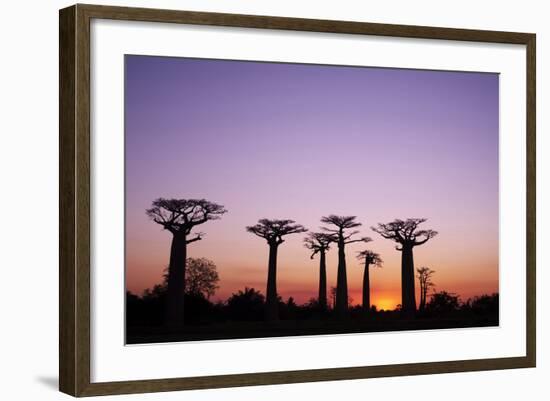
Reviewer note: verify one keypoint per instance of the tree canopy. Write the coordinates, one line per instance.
(273, 230)
(405, 232)
(424, 275)
(179, 216)
(319, 242)
(443, 302)
(342, 223)
(370, 257)
(201, 277)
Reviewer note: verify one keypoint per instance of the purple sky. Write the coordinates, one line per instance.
(302, 141)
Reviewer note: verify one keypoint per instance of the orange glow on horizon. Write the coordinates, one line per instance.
(385, 303)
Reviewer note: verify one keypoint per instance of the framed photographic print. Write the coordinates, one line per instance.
(307, 198)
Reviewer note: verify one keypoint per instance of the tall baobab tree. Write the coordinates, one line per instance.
(424, 275)
(343, 238)
(273, 232)
(369, 258)
(407, 235)
(319, 243)
(179, 217)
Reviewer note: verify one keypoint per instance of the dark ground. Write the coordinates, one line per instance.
(258, 329)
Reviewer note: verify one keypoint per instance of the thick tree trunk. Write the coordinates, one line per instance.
(271, 306)
(408, 300)
(366, 288)
(322, 281)
(174, 316)
(341, 282)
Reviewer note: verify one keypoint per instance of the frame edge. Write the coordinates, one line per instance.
(74, 202)
(301, 24)
(531, 201)
(67, 131)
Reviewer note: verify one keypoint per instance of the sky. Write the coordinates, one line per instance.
(274, 140)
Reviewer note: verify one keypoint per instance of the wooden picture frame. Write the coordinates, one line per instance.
(74, 205)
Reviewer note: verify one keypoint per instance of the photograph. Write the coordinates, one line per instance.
(270, 199)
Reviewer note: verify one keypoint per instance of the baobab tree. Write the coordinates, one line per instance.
(180, 217)
(407, 235)
(424, 275)
(343, 238)
(273, 232)
(319, 243)
(369, 258)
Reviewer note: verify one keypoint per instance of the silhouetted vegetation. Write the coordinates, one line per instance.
(320, 243)
(483, 305)
(442, 303)
(242, 315)
(369, 258)
(407, 235)
(246, 305)
(201, 277)
(180, 217)
(273, 232)
(180, 307)
(343, 238)
(424, 275)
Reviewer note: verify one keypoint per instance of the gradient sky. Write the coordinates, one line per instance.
(303, 141)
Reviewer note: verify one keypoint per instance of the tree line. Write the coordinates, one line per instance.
(181, 216)
(248, 305)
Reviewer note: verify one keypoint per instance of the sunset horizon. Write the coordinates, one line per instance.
(385, 295)
(303, 141)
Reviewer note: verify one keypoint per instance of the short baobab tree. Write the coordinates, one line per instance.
(369, 258)
(180, 217)
(319, 243)
(273, 232)
(407, 234)
(424, 275)
(339, 226)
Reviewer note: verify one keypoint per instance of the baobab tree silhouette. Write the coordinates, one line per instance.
(320, 243)
(273, 232)
(369, 258)
(424, 275)
(343, 238)
(179, 217)
(407, 235)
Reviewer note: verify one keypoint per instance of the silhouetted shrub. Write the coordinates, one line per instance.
(245, 305)
(442, 303)
(482, 305)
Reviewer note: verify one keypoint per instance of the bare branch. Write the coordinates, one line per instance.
(342, 222)
(428, 234)
(197, 237)
(363, 239)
